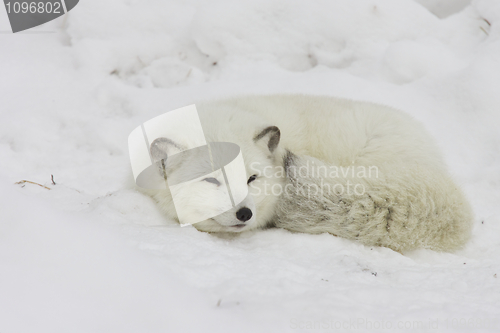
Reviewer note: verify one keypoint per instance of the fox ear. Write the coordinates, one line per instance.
(161, 149)
(270, 135)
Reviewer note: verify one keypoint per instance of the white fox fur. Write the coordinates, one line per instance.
(410, 203)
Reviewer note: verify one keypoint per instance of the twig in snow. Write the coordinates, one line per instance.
(27, 181)
(487, 34)
(52, 178)
(485, 20)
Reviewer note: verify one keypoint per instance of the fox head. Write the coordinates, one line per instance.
(199, 184)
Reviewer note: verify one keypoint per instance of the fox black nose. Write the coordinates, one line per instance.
(244, 214)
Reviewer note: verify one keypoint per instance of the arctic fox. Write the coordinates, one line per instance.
(314, 164)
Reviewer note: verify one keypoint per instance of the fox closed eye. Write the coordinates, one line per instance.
(251, 179)
(212, 180)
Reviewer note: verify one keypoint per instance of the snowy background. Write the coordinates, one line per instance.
(91, 255)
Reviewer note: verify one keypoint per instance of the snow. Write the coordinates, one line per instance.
(93, 255)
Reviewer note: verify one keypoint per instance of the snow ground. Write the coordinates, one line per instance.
(91, 255)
